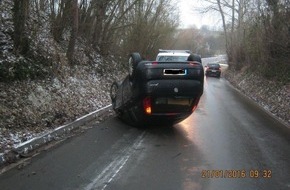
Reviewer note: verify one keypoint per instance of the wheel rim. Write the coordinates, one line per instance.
(114, 92)
(130, 66)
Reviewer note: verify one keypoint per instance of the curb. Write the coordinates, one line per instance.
(36, 142)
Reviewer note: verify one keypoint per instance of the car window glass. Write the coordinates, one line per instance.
(172, 58)
(213, 65)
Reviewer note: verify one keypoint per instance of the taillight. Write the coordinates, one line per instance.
(194, 108)
(195, 104)
(147, 105)
(194, 63)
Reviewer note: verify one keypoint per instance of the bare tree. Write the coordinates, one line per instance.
(74, 30)
(259, 34)
(153, 26)
(20, 17)
(60, 17)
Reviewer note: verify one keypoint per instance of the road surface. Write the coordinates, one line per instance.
(228, 143)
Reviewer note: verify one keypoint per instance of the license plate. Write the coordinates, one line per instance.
(213, 71)
(174, 72)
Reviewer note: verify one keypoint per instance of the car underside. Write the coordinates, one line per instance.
(158, 92)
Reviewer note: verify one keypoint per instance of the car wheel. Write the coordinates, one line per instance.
(133, 61)
(113, 94)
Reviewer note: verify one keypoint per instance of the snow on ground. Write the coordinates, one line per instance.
(273, 96)
(31, 108)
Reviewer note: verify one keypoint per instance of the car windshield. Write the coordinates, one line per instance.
(213, 65)
(172, 58)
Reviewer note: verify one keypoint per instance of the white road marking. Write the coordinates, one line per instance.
(103, 179)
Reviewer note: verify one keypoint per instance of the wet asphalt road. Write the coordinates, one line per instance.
(228, 143)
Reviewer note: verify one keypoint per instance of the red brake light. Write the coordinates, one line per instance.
(147, 105)
(194, 108)
(194, 63)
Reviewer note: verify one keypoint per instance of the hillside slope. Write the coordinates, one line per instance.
(41, 90)
(273, 96)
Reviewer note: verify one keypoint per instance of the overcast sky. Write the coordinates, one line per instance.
(189, 16)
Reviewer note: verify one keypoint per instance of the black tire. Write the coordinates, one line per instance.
(113, 93)
(133, 61)
(194, 57)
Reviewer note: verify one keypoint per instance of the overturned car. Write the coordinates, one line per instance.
(153, 92)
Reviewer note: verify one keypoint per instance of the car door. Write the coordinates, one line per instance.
(126, 91)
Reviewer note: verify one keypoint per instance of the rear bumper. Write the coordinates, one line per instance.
(158, 115)
(167, 119)
(139, 118)
(210, 73)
